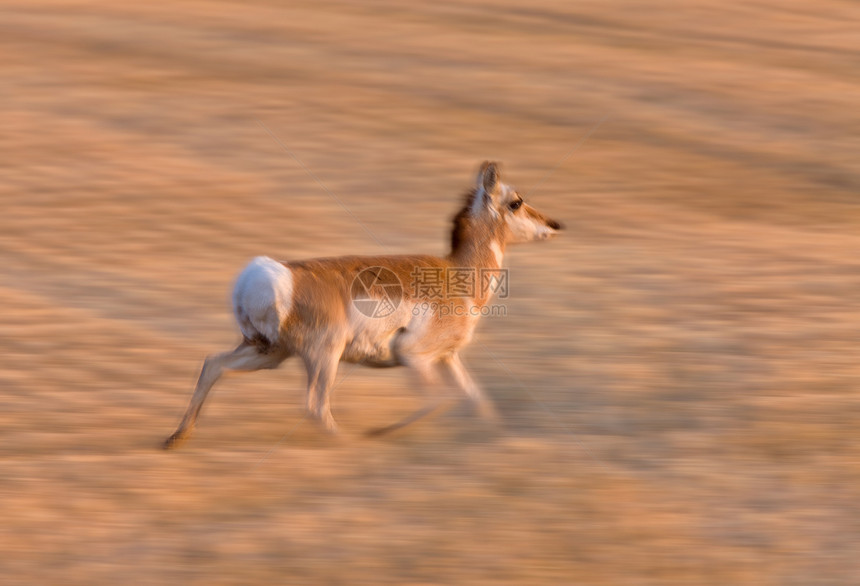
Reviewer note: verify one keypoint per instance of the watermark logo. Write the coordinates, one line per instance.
(376, 292)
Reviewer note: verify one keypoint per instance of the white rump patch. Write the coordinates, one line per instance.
(262, 298)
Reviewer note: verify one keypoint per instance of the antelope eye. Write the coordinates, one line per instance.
(516, 204)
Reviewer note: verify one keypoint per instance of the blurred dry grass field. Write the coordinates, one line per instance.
(678, 373)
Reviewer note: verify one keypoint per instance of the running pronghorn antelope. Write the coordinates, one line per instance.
(356, 309)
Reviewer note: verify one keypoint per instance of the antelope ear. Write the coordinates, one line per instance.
(488, 177)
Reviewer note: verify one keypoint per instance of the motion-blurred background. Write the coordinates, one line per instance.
(677, 373)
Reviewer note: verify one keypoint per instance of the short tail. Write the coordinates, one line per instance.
(262, 299)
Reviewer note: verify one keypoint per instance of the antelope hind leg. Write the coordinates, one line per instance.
(245, 358)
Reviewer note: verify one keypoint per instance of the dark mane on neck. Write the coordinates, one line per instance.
(461, 221)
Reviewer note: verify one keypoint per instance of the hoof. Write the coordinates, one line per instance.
(326, 424)
(381, 431)
(173, 442)
(488, 413)
(328, 428)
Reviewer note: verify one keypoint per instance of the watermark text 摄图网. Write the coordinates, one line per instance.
(440, 283)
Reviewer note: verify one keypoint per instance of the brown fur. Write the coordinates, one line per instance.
(461, 223)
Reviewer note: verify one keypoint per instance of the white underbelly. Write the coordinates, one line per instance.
(372, 338)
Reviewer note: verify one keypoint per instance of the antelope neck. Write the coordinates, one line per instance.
(483, 252)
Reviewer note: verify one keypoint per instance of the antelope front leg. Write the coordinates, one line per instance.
(427, 382)
(244, 358)
(458, 374)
